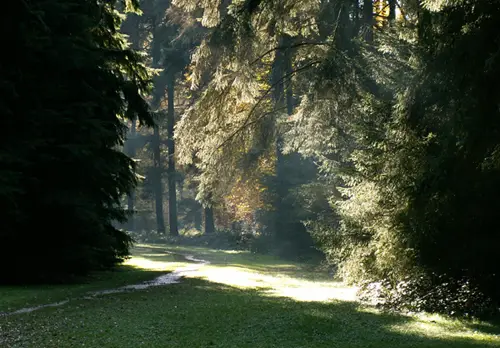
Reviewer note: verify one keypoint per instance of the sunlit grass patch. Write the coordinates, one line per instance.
(236, 301)
(276, 284)
(146, 264)
(279, 278)
(155, 259)
(437, 326)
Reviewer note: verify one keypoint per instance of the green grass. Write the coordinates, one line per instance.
(243, 259)
(16, 297)
(240, 300)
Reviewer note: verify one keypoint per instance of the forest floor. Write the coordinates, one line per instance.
(238, 300)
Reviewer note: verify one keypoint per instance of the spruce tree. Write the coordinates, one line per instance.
(68, 83)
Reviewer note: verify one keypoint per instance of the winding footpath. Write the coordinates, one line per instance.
(165, 279)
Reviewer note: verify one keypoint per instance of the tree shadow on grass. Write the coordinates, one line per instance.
(199, 313)
(22, 296)
(332, 324)
(490, 327)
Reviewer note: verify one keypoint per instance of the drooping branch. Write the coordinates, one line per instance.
(37, 16)
(246, 123)
(299, 44)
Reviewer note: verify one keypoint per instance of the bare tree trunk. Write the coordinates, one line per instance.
(198, 219)
(131, 151)
(288, 71)
(172, 193)
(158, 92)
(209, 220)
(131, 27)
(392, 10)
(368, 20)
(357, 21)
(158, 184)
(283, 97)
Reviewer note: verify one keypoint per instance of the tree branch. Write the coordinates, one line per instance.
(246, 123)
(288, 47)
(40, 19)
(401, 9)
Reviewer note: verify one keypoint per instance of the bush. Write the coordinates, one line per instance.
(454, 297)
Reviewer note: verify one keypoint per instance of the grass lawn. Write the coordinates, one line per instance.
(239, 300)
(16, 297)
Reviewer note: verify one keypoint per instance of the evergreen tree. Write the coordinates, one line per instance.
(67, 85)
(403, 134)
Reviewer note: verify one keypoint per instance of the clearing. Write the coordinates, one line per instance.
(238, 299)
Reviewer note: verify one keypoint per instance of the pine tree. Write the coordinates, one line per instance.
(391, 104)
(68, 85)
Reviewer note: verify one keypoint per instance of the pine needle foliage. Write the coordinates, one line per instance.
(400, 117)
(68, 81)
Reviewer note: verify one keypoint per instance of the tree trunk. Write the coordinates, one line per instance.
(131, 211)
(198, 217)
(283, 97)
(357, 22)
(289, 89)
(131, 196)
(392, 10)
(209, 220)
(158, 92)
(131, 27)
(158, 184)
(368, 20)
(172, 193)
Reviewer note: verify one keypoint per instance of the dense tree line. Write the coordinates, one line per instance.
(367, 130)
(396, 103)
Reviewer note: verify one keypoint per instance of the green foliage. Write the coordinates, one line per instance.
(402, 122)
(408, 137)
(451, 216)
(66, 86)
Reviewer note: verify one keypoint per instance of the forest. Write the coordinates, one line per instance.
(347, 146)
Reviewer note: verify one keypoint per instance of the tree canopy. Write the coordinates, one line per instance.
(396, 103)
